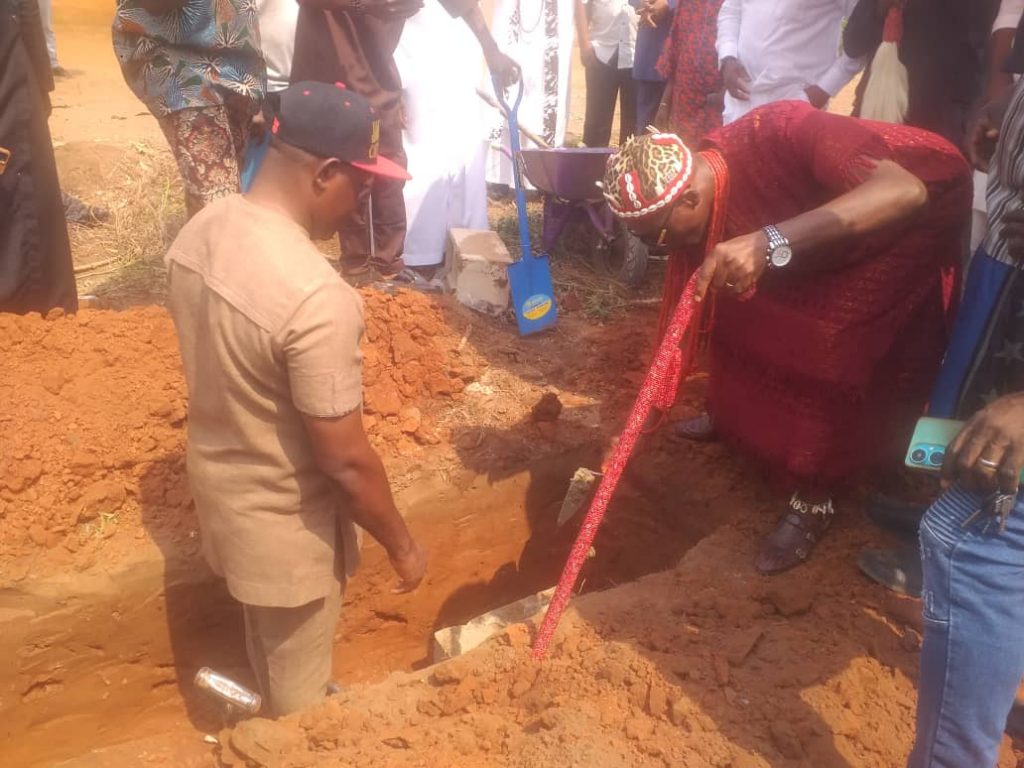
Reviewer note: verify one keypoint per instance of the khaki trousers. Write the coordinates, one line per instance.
(290, 652)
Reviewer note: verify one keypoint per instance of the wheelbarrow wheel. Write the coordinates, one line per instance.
(623, 257)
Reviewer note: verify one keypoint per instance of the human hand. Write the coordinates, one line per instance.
(257, 126)
(715, 100)
(403, 111)
(656, 12)
(988, 454)
(410, 564)
(734, 265)
(587, 55)
(661, 118)
(983, 133)
(736, 79)
(503, 68)
(817, 96)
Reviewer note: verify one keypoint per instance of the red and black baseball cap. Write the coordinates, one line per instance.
(330, 121)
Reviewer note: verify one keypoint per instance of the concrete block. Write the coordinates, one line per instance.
(476, 270)
(455, 641)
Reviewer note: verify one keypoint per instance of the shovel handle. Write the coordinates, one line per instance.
(531, 135)
(512, 115)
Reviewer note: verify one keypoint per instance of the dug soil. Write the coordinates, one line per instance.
(107, 610)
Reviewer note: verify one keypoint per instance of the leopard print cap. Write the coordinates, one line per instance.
(647, 174)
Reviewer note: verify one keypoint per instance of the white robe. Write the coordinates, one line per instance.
(446, 142)
(538, 34)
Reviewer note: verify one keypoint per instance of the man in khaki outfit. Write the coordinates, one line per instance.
(279, 465)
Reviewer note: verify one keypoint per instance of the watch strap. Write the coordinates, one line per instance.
(775, 238)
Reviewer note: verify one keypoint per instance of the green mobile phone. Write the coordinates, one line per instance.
(928, 445)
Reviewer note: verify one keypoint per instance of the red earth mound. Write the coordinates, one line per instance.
(96, 401)
(706, 665)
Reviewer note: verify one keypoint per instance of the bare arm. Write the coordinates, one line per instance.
(888, 195)
(502, 68)
(345, 455)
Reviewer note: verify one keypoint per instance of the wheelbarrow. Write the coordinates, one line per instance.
(568, 179)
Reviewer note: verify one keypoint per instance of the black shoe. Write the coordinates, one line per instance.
(898, 517)
(77, 212)
(895, 569)
(411, 279)
(358, 278)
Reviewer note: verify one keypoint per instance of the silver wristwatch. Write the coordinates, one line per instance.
(779, 252)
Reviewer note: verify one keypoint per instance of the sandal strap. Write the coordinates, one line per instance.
(801, 507)
(800, 523)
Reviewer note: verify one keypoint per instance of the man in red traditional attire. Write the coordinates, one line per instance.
(832, 245)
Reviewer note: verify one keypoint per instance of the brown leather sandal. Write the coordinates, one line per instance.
(795, 537)
(699, 429)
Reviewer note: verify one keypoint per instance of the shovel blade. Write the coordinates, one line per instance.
(533, 295)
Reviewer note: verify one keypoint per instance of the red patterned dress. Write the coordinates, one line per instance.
(689, 64)
(824, 371)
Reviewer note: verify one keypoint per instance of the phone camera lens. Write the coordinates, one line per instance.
(937, 458)
(918, 456)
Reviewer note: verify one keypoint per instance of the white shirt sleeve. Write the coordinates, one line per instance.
(729, 29)
(1010, 12)
(840, 73)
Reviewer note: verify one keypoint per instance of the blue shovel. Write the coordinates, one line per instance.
(533, 296)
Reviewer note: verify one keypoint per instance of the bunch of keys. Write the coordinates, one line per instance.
(996, 507)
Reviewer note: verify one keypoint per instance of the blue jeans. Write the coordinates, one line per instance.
(973, 656)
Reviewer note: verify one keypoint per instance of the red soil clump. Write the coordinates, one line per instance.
(97, 401)
(411, 356)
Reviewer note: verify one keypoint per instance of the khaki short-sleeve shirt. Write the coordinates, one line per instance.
(268, 332)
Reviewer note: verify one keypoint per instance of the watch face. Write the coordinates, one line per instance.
(781, 256)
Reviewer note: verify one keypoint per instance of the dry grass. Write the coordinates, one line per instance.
(121, 261)
(578, 285)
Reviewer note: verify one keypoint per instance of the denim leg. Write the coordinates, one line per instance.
(972, 660)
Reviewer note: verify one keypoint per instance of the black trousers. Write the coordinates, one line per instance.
(358, 49)
(36, 272)
(606, 84)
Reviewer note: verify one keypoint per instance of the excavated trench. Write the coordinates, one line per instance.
(105, 659)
